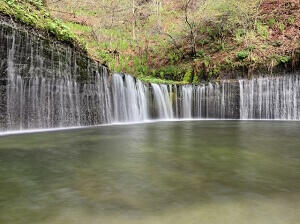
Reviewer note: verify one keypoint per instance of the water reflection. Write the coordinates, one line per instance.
(172, 172)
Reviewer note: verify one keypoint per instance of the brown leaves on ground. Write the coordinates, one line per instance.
(288, 12)
(279, 7)
(286, 30)
(71, 17)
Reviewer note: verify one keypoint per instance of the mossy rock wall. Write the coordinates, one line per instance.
(27, 59)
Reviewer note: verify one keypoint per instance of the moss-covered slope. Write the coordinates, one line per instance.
(35, 14)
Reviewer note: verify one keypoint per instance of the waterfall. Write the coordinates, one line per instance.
(199, 103)
(215, 101)
(162, 101)
(43, 88)
(38, 102)
(142, 92)
(187, 92)
(129, 99)
(270, 98)
(48, 85)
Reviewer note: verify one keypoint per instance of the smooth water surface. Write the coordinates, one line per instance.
(210, 172)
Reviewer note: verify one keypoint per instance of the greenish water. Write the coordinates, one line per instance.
(210, 172)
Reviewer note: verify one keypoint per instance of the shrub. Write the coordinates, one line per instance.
(195, 79)
(241, 55)
(188, 76)
(262, 30)
(284, 59)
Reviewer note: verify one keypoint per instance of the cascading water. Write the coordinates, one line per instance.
(39, 102)
(43, 87)
(270, 98)
(46, 85)
(263, 98)
(162, 101)
(129, 99)
(187, 93)
(215, 100)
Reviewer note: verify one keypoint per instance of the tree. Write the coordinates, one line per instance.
(191, 9)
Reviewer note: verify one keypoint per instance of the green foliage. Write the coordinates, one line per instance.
(271, 22)
(291, 20)
(151, 79)
(284, 59)
(196, 79)
(234, 29)
(239, 34)
(33, 13)
(188, 77)
(233, 13)
(104, 56)
(206, 61)
(233, 32)
(173, 57)
(37, 3)
(78, 27)
(203, 42)
(140, 66)
(58, 29)
(281, 59)
(200, 53)
(262, 30)
(167, 71)
(242, 55)
(214, 72)
(222, 46)
(251, 48)
(281, 26)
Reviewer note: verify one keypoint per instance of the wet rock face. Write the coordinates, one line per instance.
(45, 84)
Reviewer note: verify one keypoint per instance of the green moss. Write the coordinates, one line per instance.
(150, 79)
(33, 13)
